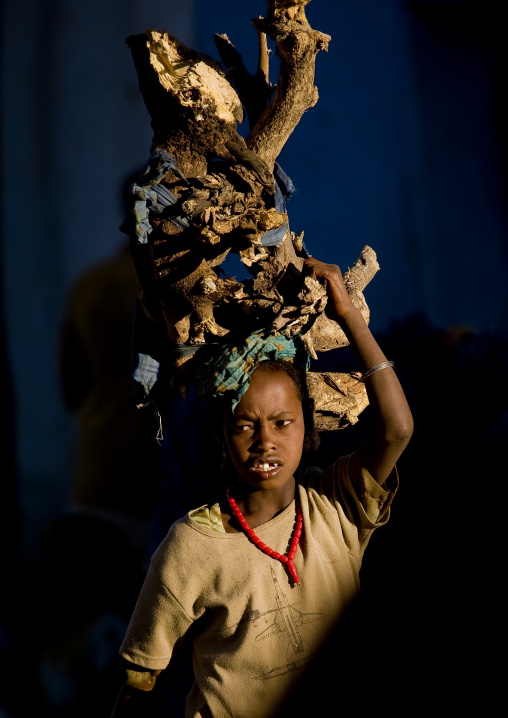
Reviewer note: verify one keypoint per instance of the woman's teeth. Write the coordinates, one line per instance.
(265, 467)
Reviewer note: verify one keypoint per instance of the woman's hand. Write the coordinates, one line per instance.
(339, 301)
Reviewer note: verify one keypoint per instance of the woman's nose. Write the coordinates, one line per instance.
(264, 439)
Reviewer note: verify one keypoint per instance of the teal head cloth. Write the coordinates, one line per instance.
(228, 372)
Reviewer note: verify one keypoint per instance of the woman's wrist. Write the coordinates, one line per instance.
(346, 314)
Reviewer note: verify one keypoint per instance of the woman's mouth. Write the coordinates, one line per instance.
(265, 468)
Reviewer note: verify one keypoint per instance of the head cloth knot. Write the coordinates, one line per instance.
(228, 371)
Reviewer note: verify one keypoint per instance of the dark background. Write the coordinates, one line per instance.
(406, 151)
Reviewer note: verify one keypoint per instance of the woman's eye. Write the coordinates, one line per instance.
(240, 428)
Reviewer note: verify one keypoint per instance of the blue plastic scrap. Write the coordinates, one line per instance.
(146, 371)
(150, 196)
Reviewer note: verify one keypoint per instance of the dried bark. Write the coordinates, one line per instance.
(219, 196)
(339, 398)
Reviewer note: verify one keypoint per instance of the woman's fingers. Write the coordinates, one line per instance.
(319, 270)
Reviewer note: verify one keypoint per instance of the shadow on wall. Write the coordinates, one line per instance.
(72, 605)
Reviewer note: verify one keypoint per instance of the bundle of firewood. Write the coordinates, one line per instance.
(206, 192)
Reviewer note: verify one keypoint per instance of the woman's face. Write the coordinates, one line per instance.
(265, 433)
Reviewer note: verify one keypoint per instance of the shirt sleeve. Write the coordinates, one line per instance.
(347, 491)
(374, 499)
(159, 619)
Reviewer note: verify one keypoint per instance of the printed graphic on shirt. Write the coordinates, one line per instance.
(286, 620)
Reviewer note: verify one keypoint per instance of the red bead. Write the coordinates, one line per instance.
(250, 532)
(268, 551)
(291, 554)
(275, 554)
(292, 571)
(298, 533)
(260, 544)
(284, 559)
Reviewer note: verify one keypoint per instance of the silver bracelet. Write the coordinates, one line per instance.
(370, 371)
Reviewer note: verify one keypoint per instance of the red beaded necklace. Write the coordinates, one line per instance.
(250, 533)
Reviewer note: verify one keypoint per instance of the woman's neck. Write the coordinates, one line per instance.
(258, 506)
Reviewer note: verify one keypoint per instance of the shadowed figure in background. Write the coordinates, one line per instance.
(92, 559)
(117, 451)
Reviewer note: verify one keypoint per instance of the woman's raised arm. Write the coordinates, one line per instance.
(394, 422)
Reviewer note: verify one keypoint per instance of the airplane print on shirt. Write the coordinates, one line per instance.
(287, 620)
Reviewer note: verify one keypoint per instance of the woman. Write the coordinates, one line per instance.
(263, 574)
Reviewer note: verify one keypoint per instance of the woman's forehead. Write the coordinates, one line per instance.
(271, 391)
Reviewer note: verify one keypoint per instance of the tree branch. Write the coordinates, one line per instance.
(297, 46)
